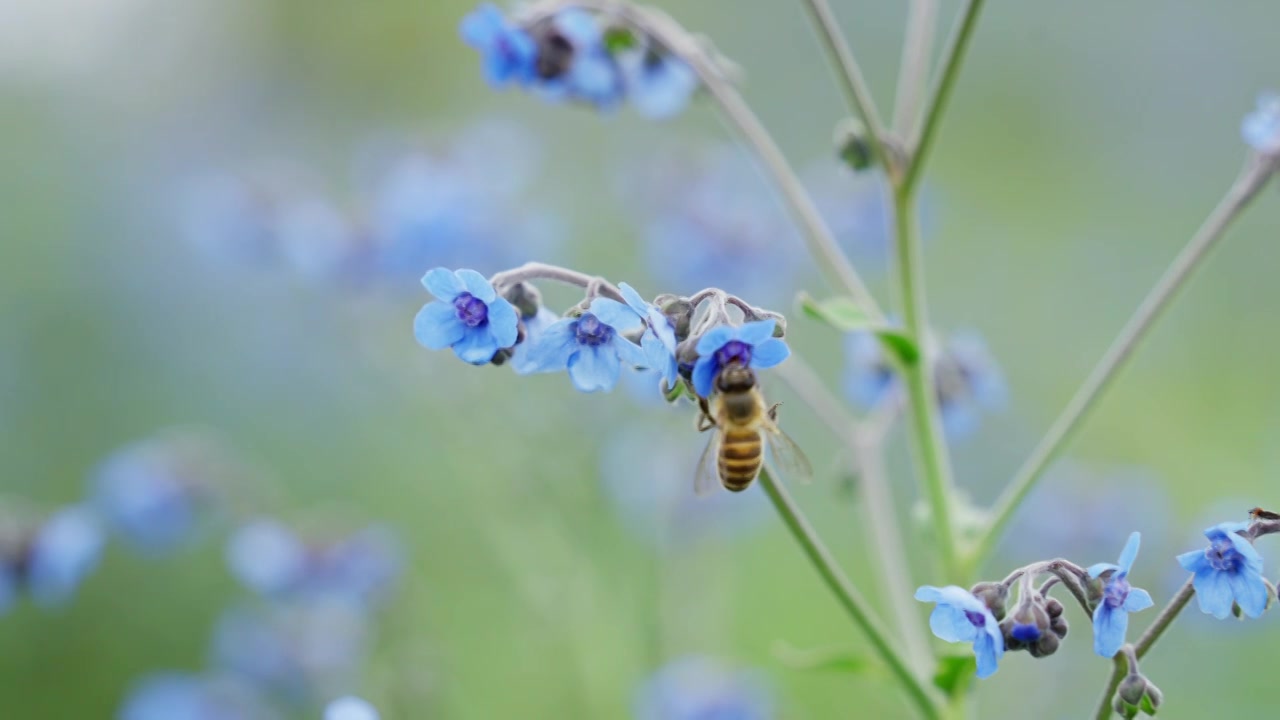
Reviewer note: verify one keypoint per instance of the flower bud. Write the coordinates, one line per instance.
(1058, 626)
(993, 595)
(1044, 647)
(679, 311)
(1154, 695)
(525, 297)
(852, 146)
(1053, 607)
(1132, 688)
(1122, 708)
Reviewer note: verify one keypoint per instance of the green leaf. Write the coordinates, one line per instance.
(954, 673)
(1146, 705)
(900, 345)
(838, 660)
(673, 394)
(840, 312)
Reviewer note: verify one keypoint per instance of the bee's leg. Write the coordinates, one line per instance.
(705, 421)
(773, 412)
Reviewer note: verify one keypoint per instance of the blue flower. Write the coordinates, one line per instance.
(698, 688)
(751, 345)
(266, 557)
(350, 708)
(178, 696)
(509, 54)
(961, 617)
(1111, 617)
(574, 64)
(63, 552)
(1261, 128)
(868, 377)
(534, 327)
(658, 86)
(1228, 571)
(659, 338)
(468, 317)
(590, 346)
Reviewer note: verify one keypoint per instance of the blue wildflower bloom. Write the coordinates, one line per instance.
(590, 346)
(1228, 571)
(658, 86)
(266, 557)
(751, 345)
(699, 688)
(659, 338)
(961, 617)
(350, 708)
(509, 54)
(868, 378)
(178, 696)
(1261, 128)
(468, 316)
(63, 552)
(534, 327)
(574, 64)
(1111, 617)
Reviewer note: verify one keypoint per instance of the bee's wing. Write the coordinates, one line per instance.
(707, 476)
(787, 457)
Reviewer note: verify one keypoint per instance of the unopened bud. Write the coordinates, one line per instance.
(1053, 607)
(1122, 708)
(525, 297)
(1132, 688)
(1044, 647)
(1058, 626)
(1154, 695)
(993, 595)
(852, 145)
(679, 311)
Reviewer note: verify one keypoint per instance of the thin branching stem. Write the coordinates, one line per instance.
(913, 76)
(1252, 179)
(1144, 644)
(594, 285)
(850, 599)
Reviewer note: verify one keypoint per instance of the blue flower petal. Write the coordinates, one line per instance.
(658, 357)
(634, 301)
(437, 325)
(928, 593)
(615, 314)
(704, 375)
(1245, 548)
(66, 549)
(477, 285)
(987, 650)
(1213, 591)
(1193, 561)
(483, 26)
(503, 322)
(950, 623)
(594, 368)
(755, 333)
(630, 353)
(350, 708)
(1098, 568)
(550, 351)
(769, 353)
(443, 283)
(1130, 552)
(1138, 600)
(477, 346)
(1250, 592)
(715, 338)
(1109, 628)
(534, 327)
(659, 90)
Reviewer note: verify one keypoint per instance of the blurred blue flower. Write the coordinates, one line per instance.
(298, 652)
(315, 240)
(1261, 128)
(534, 327)
(750, 345)
(1111, 617)
(350, 708)
(658, 86)
(574, 64)
(155, 492)
(227, 217)
(65, 549)
(868, 377)
(659, 338)
(1228, 571)
(590, 346)
(961, 617)
(469, 316)
(272, 560)
(698, 688)
(177, 696)
(507, 51)
(858, 209)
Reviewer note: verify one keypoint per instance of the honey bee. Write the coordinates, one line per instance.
(743, 425)
(1260, 514)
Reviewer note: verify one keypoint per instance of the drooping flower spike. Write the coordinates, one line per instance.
(961, 617)
(1227, 572)
(591, 346)
(468, 316)
(751, 344)
(1111, 617)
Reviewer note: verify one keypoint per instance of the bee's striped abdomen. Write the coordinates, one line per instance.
(741, 454)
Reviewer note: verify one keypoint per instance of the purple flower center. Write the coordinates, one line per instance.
(976, 619)
(1223, 556)
(1025, 633)
(471, 310)
(591, 332)
(1116, 591)
(734, 350)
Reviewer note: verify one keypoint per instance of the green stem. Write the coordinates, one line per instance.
(922, 20)
(1119, 668)
(952, 59)
(933, 461)
(849, 72)
(852, 601)
(1251, 180)
(1144, 644)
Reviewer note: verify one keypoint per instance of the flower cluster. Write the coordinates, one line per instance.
(967, 379)
(502, 319)
(462, 201)
(302, 638)
(573, 55)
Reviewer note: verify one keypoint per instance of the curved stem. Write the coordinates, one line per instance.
(917, 46)
(849, 597)
(952, 59)
(543, 271)
(933, 461)
(1119, 668)
(852, 82)
(1246, 186)
(883, 531)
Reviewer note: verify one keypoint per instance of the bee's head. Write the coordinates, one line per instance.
(735, 377)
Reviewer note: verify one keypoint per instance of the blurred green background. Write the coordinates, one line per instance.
(1085, 144)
